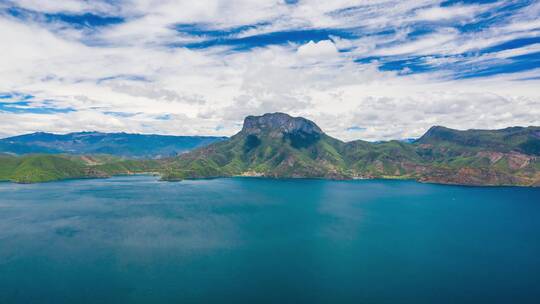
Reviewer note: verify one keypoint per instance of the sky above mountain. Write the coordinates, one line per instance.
(372, 69)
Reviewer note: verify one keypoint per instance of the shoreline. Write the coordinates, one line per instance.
(323, 179)
(263, 177)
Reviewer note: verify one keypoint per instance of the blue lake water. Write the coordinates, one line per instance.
(240, 240)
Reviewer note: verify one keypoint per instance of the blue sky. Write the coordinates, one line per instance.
(372, 69)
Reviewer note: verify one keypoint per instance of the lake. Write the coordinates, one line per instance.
(247, 240)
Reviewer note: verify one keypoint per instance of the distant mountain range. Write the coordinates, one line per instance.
(118, 144)
(277, 145)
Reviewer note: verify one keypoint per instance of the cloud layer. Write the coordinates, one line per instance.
(374, 70)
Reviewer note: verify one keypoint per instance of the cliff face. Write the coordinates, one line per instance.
(279, 123)
(278, 145)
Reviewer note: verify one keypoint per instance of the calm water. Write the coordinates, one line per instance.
(137, 240)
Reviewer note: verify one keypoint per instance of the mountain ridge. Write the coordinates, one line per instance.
(281, 146)
(123, 144)
(277, 145)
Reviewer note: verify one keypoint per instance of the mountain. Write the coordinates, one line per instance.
(520, 139)
(50, 167)
(280, 146)
(39, 168)
(277, 145)
(272, 145)
(119, 144)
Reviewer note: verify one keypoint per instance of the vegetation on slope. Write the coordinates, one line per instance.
(44, 168)
(39, 168)
(8, 164)
(519, 139)
(277, 145)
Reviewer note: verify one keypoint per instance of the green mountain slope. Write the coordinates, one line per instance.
(40, 168)
(278, 145)
(519, 139)
(8, 164)
(474, 157)
(272, 145)
(44, 168)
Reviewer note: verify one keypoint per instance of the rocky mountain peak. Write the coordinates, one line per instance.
(279, 123)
